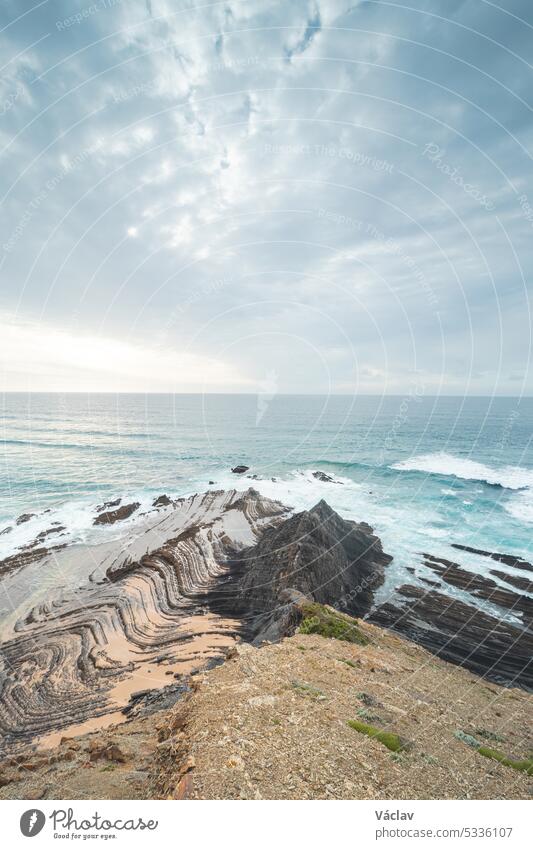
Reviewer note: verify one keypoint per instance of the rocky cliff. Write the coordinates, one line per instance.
(314, 554)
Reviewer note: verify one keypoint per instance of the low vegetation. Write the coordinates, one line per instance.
(327, 622)
(489, 735)
(525, 765)
(387, 738)
(522, 766)
(308, 690)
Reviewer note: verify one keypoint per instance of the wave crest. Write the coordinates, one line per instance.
(509, 477)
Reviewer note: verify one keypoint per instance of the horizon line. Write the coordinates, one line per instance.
(253, 394)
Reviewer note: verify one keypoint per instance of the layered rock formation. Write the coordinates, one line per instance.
(314, 553)
(139, 616)
(190, 577)
(498, 646)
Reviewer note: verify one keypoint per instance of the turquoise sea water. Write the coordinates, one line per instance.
(423, 471)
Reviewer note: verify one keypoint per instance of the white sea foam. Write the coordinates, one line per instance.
(521, 506)
(401, 529)
(510, 477)
(76, 520)
(514, 478)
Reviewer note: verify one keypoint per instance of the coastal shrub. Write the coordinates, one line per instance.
(522, 766)
(388, 738)
(364, 713)
(368, 699)
(308, 690)
(468, 739)
(327, 622)
(489, 735)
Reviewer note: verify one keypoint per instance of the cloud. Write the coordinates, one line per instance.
(37, 357)
(280, 148)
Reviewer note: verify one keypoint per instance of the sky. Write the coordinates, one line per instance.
(314, 196)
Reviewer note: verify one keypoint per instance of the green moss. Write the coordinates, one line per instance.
(348, 663)
(522, 766)
(327, 622)
(525, 765)
(388, 738)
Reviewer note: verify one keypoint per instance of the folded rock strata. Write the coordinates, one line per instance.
(140, 615)
(314, 553)
(174, 595)
(462, 634)
(495, 641)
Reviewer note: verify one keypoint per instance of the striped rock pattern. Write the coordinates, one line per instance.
(140, 615)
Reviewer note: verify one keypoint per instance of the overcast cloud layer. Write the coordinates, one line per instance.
(314, 195)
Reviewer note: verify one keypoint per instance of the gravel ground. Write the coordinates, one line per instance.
(272, 724)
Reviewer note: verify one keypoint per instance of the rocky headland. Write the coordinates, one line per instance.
(227, 609)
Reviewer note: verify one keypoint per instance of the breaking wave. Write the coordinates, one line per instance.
(509, 477)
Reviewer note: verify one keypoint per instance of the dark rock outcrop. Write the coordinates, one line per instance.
(480, 586)
(508, 559)
(26, 556)
(463, 634)
(322, 476)
(112, 516)
(25, 517)
(315, 554)
(162, 501)
(517, 581)
(240, 470)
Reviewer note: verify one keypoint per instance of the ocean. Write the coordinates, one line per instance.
(423, 471)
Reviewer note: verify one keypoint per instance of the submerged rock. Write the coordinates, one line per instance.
(240, 470)
(322, 476)
(112, 516)
(508, 559)
(25, 517)
(108, 504)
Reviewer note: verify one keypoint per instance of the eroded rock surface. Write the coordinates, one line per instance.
(314, 553)
(109, 517)
(508, 559)
(463, 634)
(141, 616)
